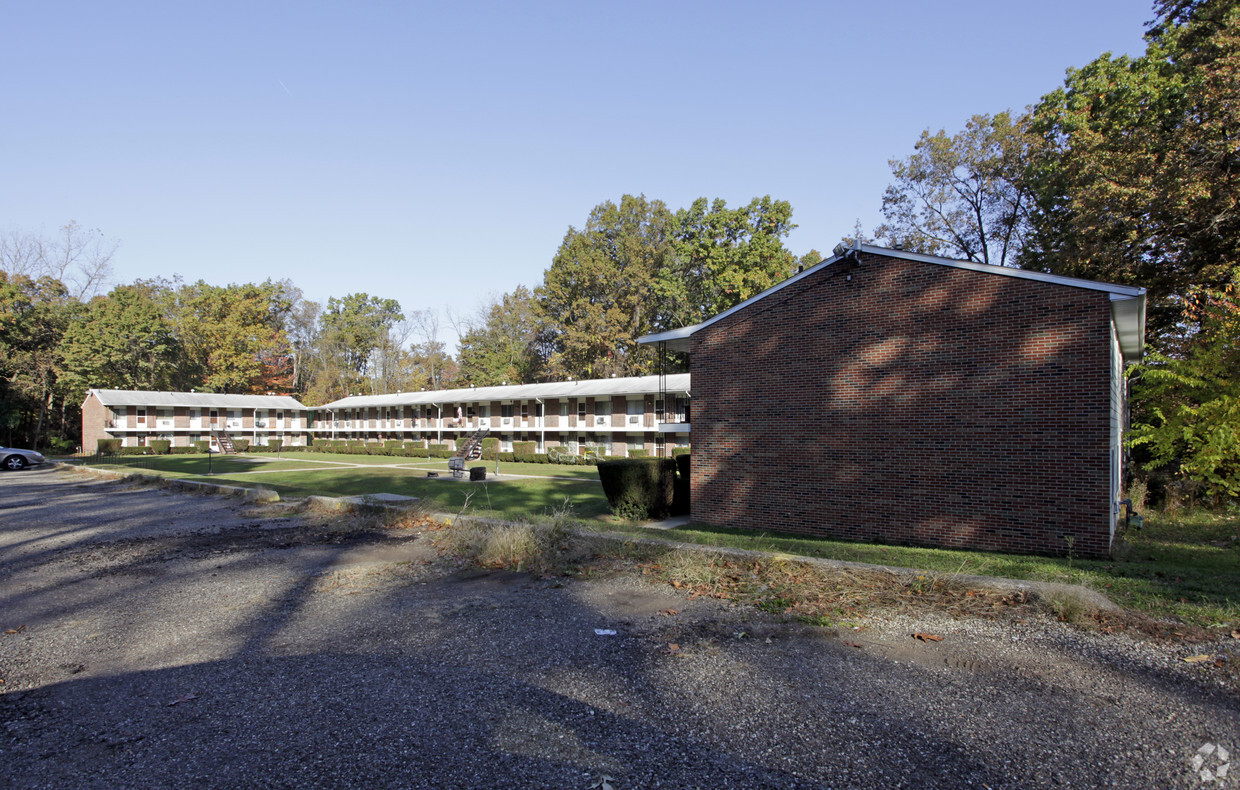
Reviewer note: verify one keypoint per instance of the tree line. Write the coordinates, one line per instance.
(633, 268)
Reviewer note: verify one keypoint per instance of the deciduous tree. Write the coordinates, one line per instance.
(962, 195)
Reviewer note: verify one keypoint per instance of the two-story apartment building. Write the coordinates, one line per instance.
(138, 416)
(613, 415)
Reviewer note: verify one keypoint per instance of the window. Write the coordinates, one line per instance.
(525, 411)
(581, 411)
(602, 408)
(505, 410)
(564, 409)
(635, 443)
(505, 443)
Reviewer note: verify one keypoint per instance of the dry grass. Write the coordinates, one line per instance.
(824, 596)
(550, 547)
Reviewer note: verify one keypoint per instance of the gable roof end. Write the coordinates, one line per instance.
(1127, 301)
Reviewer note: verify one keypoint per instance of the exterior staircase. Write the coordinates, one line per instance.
(469, 451)
(224, 442)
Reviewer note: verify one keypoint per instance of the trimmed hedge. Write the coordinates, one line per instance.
(134, 451)
(680, 451)
(109, 446)
(639, 454)
(440, 451)
(184, 450)
(524, 448)
(202, 446)
(639, 488)
(159, 446)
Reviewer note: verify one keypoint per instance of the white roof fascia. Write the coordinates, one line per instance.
(195, 399)
(582, 388)
(1128, 315)
(679, 339)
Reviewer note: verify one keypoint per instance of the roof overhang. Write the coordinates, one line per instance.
(1127, 301)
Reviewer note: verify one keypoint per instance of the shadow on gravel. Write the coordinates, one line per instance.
(240, 656)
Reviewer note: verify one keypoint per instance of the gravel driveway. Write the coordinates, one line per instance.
(170, 640)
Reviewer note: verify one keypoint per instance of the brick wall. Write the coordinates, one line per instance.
(917, 403)
(94, 423)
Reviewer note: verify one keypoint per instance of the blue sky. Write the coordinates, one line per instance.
(437, 152)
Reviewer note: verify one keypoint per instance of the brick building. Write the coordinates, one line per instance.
(895, 397)
(137, 416)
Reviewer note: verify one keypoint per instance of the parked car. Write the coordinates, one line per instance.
(13, 458)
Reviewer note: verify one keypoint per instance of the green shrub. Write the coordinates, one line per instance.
(508, 456)
(202, 446)
(638, 454)
(159, 446)
(490, 446)
(275, 445)
(184, 450)
(133, 451)
(639, 488)
(109, 446)
(439, 451)
(59, 446)
(524, 448)
(417, 452)
(680, 451)
(241, 445)
(393, 444)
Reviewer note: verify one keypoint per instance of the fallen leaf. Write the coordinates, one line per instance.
(16, 630)
(182, 698)
(852, 644)
(669, 612)
(1198, 659)
(928, 637)
(1235, 634)
(672, 647)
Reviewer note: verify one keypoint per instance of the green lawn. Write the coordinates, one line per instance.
(324, 474)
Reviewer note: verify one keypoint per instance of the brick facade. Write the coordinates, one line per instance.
(910, 403)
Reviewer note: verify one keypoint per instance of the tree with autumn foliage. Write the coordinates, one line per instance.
(1187, 401)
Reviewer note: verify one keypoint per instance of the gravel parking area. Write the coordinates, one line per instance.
(165, 640)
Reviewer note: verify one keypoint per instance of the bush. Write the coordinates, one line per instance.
(275, 445)
(159, 446)
(639, 453)
(680, 451)
(108, 446)
(639, 488)
(439, 451)
(184, 450)
(524, 448)
(241, 445)
(508, 456)
(490, 446)
(393, 444)
(202, 446)
(133, 451)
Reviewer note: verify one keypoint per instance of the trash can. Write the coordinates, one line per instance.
(477, 473)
